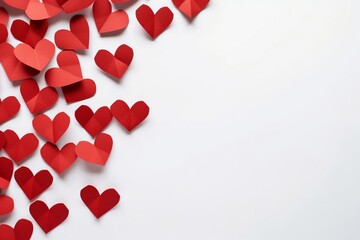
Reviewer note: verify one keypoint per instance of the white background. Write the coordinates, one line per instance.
(253, 134)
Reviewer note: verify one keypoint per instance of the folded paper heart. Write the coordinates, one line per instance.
(51, 130)
(79, 91)
(6, 172)
(97, 153)
(33, 185)
(6, 205)
(15, 70)
(99, 204)
(37, 100)
(154, 24)
(20, 149)
(191, 8)
(37, 57)
(93, 123)
(46, 218)
(9, 107)
(129, 118)
(44, 9)
(3, 33)
(107, 21)
(78, 36)
(115, 65)
(59, 160)
(22, 231)
(31, 33)
(71, 6)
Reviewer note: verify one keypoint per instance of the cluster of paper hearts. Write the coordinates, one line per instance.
(32, 56)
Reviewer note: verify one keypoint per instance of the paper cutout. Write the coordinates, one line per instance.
(46, 218)
(33, 185)
(79, 91)
(37, 57)
(22, 231)
(9, 107)
(115, 65)
(31, 33)
(59, 160)
(97, 153)
(78, 36)
(191, 8)
(44, 9)
(6, 172)
(71, 6)
(15, 70)
(107, 21)
(154, 24)
(99, 204)
(6, 205)
(3, 33)
(51, 130)
(20, 149)
(93, 123)
(19, 4)
(129, 118)
(37, 100)
(2, 140)
(69, 71)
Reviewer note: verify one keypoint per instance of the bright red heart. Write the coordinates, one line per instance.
(37, 57)
(44, 9)
(59, 160)
(20, 149)
(32, 185)
(130, 118)
(52, 131)
(78, 36)
(3, 33)
(37, 100)
(93, 123)
(71, 6)
(46, 218)
(191, 8)
(115, 65)
(22, 231)
(154, 24)
(6, 205)
(31, 33)
(97, 153)
(68, 73)
(15, 70)
(107, 21)
(99, 204)
(4, 16)
(6, 172)
(9, 107)
(79, 91)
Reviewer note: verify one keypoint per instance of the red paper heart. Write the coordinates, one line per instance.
(44, 9)
(93, 123)
(15, 70)
(19, 4)
(69, 71)
(97, 153)
(107, 21)
(4, 16)
(32, 185)
(115, 65)
(3, 33)
(22, 231)
(79, 91)
(71, 6)
(37, 57)
(51, 130)
(37, 100)
(99, 204)
(59, 160)
(191, 8)
(6, 172)
(78, 36)
(6, 205)
(31, 33)
(130, 118)
(20, 149)
(46, 218)
(9, 107)
(154, 24)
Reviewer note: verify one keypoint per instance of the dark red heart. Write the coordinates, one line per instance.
(31, 33)
(93, 123)
(59, 160)
(22, 231)
(6, 172)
